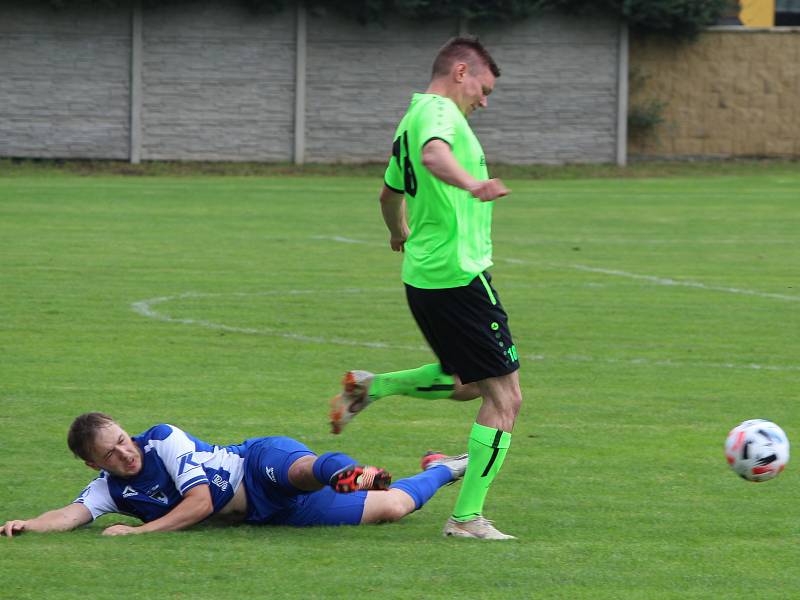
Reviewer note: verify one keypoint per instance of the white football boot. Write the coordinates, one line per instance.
(478, 527)
(456, 464)
(353, 398)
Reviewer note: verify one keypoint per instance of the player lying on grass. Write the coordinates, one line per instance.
(172, 480)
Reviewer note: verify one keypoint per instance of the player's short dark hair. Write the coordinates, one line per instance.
(83, 431)
(464, 48)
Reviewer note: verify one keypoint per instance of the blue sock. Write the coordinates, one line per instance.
(330, 462)
(422, 486)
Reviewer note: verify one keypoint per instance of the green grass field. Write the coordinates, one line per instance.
(651, 316)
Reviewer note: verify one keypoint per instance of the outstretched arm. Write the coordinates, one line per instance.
(61, 519)
(438, 158)
(195, 506)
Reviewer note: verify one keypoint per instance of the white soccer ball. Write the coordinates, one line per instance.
(757, 450)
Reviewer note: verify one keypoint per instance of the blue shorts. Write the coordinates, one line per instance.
(272, 500)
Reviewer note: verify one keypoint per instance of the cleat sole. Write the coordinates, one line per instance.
(336, 414)
(360, 478)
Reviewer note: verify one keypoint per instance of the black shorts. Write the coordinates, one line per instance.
(467, 329)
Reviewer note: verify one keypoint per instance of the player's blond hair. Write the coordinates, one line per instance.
(83, 432)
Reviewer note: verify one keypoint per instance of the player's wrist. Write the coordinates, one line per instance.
(473, 185)
(396, 230)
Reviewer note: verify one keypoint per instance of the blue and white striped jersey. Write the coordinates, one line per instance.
(173, 463)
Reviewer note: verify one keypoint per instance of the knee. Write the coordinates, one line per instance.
(510, 402)
(395, 507)
(516, 400)
(300, 474)
(396, 510)
(509, 405)
(465, 391)
(295, 471)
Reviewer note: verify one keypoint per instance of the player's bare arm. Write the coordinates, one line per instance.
(438, 159)
(195, 506)
(62, 519)
(394, 215)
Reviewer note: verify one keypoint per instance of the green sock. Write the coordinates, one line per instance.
(427, 381)
(487, 450)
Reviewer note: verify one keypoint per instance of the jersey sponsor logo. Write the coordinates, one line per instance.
(271, 474)
(220, 482)
(156, 494)
(83, 494)
(160, 497)
(483, 160)
(186, 463)
(129, 491)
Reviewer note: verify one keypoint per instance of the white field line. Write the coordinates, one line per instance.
(646, 362)
(577, 241)
(665, 281)
(146, 308)
(340, 239)
(690, 284)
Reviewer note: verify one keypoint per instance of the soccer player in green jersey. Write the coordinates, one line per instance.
(437, 203)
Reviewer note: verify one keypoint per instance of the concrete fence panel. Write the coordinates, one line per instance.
(218, 84)
(557, 99)
(215, 81)
(360, 81)
(64, 81)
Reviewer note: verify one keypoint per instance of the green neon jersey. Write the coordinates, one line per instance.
(450, 231)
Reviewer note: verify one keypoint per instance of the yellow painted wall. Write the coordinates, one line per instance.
(757, 13)
(730, 93)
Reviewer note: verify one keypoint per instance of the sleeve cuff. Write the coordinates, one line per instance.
(394, 189)
(437, 138)
(192, 483)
